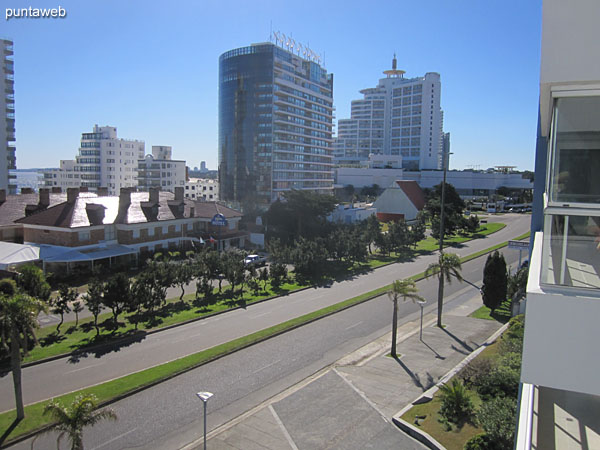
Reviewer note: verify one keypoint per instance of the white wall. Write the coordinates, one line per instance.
(570, 50)
(560, 349)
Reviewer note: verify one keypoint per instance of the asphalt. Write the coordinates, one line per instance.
(65, 375)
(350, 405)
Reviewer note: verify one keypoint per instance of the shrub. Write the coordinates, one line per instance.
(8, 287)
(478, 369)
(498, 418)
(479, 442)
(456, 402)
(501, 381)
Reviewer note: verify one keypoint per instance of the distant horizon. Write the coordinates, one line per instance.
(152, 72)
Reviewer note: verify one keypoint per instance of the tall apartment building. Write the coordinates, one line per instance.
(275, 124)
(399, 117)
(202, 189)
(7, 116)
(103, 160)
(560, 393)
(159, 170)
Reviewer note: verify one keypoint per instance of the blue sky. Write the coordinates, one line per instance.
(150, 68)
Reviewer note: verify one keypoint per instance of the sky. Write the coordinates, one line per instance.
(150, 68)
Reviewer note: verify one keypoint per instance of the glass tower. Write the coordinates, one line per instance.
(275, 125)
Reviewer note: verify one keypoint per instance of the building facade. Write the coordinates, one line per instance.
(399, 117)
(275, 124)
(159, 170)
(7, 116)
(103, 160)
(202, 189)
(560, 393)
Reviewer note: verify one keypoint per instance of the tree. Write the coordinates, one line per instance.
(309, 256)
(417, 231)
(278, 274)
(94, 300)
(182, 275)
(116, 296)
(33, 282)
(72, 420)
(495, 280)
(264, 277)
(498, 418)
(17, 320)
(60, 305)
(448, 265)
(399, 236)
(372, 230)
(77, 308)
(8, 287)
(234, 269)
(453, 209)
(405, 289)
(214, 265)
(517, 284)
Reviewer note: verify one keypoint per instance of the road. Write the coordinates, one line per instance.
(169, 415)
(68, 374)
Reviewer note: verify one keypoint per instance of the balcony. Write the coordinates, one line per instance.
(561, 325)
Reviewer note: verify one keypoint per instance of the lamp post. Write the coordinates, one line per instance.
(204, 396)
(445, 160)
(422, 305)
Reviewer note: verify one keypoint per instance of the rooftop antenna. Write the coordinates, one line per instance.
(394, 73)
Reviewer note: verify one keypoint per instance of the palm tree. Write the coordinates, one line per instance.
(448, 265)
(72, 420)
(405, 289)
(18, 319)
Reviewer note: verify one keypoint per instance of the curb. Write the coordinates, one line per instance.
(415, 433)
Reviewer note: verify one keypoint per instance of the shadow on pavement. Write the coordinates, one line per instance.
(415, 377)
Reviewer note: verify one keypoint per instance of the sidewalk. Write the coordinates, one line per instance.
(350, 405)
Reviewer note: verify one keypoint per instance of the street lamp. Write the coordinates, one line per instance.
(422, 305)
(204, 396)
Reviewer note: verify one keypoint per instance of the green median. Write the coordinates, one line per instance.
(130, 384)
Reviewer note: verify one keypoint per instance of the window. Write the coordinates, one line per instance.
(84, 236)
(151, 231)
(136, 233)
(109, 233)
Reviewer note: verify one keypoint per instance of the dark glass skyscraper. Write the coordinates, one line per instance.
(275, 124)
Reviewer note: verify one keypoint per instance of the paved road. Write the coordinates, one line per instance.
(65, 375)
(168, 415)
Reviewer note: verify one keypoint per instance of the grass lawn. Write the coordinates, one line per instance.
(502, 313)
(83, 336)
(454, 439)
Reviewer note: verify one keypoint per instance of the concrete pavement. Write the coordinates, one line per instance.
(350, 405)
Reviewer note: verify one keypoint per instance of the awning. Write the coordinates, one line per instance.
(91, 255)
(11, 253)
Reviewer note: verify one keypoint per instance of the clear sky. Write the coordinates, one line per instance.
(150, 68)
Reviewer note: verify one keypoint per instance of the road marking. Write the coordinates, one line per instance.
(260, 315)
(352, 326)
(84, 368)
(268, 365)
(115, 438)
(283, 429)
(362, 394)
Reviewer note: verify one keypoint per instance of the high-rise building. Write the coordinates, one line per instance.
(275, 124)
(7, 115)
(159, 170)
(560, 393)
(399, 117)
(103, 160)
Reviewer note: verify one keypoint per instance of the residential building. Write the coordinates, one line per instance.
(560, 393)
(90, 227)
(160, 170)
(202, 189)
(399, 117)
(351, 213)
(7, 116)
(103, 160)
(275, 124)
(402, 200)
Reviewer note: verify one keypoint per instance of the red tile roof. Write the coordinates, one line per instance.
(413, 191)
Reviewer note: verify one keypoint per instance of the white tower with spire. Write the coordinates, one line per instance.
(399, 117)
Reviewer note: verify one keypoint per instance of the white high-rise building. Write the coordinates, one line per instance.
(103, 160)
(158, 170)
(399, 117)
(7, 115)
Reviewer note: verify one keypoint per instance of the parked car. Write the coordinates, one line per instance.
(256, 260)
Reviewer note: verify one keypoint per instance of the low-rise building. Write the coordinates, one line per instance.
(87, 227)
(401, 201)
(351, 213)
